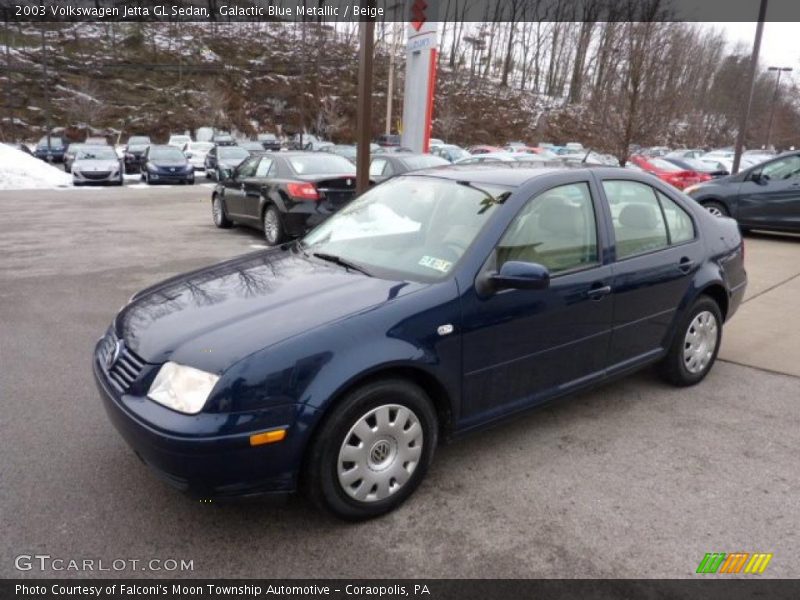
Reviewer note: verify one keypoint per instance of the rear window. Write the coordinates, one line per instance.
(664, 165)
(322, 165)
(424, 162)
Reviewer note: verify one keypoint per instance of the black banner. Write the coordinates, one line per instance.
(394, 10)
(434, 589)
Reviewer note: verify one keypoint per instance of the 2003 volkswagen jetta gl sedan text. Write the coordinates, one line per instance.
(434, 304)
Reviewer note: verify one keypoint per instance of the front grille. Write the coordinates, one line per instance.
(127, 366)
(95, 174)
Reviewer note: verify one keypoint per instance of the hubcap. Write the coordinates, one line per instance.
(271, 226)
(714, 211)
(700, 342)
(380, 453)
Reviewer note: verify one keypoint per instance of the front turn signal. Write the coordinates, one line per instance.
(268, 437)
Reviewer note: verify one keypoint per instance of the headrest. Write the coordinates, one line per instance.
(639, 216)
(561, 218)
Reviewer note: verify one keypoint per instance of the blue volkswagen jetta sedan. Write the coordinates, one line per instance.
(434, 304)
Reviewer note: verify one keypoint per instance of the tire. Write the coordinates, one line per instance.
(218, 213)
(274, 231)
(208, 174)
(716, 208)
(389, 455)
(695, 344)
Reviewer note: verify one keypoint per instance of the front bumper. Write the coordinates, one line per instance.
(93, 177)
(169, 177)
(197, 454)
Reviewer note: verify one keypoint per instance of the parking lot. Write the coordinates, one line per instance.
(635, 479)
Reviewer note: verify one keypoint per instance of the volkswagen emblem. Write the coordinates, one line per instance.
(172, 169)
(113, 354)
(380, 452)
(349, 182)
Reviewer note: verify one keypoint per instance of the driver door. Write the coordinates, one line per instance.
(235, 187)
(524, 346)
(773, 199)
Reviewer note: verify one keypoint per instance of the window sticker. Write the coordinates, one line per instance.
(435, 263)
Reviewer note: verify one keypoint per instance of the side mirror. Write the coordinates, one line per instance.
(226, 173)
(521, 276)
(756, 177)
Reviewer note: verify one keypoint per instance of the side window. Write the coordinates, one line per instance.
(679, 223)
(248, 167)
(377, 166)
(556, 229)
(638, 221)
(263, 167)
(785, 168)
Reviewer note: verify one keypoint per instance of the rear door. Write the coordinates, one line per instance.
(254, 186)
(657, 251)
(772, 197)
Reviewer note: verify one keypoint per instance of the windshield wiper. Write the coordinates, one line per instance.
(489, 200)
(338, 260)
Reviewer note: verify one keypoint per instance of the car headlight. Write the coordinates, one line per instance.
(151, 167)
(690, 189)
(181, 388)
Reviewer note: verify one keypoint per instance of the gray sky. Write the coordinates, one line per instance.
(780, 44)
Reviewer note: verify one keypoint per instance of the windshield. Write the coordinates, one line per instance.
(96, 153)
(414, 228)
(232, 152)
(200, 146)
(138, 140)
(322, 165)
(166, 153)
(54, 142)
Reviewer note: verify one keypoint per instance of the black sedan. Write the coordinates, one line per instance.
(134, 153)
(51, 149)
(220, 158)
(166, 164)
(435, 304)
(284, 194)
(766, 196)
(383, 166)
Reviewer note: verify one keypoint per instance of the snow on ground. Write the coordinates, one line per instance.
(20, 171)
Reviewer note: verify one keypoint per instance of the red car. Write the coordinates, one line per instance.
(669, 172)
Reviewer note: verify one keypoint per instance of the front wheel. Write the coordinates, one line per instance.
(373, 450)
(717, 209)
(695, 345)
(218, 213)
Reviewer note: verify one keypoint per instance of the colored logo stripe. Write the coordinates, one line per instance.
(723, 563)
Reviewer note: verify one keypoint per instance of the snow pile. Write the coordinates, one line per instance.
(20, 171)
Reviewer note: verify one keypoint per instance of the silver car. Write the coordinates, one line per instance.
(97, 164)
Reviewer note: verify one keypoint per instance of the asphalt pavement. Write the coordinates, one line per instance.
(634, 479)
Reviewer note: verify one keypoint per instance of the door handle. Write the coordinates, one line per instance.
(686, 264)
(596, 293)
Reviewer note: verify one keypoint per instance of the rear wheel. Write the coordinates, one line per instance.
(373, 450)
(274, 232)
(695, 345)
(716, 208)
(218, 213)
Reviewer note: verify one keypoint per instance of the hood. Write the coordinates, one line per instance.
(105, 164)
(166, 164)
(215, 316)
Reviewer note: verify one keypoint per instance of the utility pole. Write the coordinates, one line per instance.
(364, 123)
(390, 89)
(46, 87)
(9, 85)
(779, 71)
(737, 157)
(303, 79)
